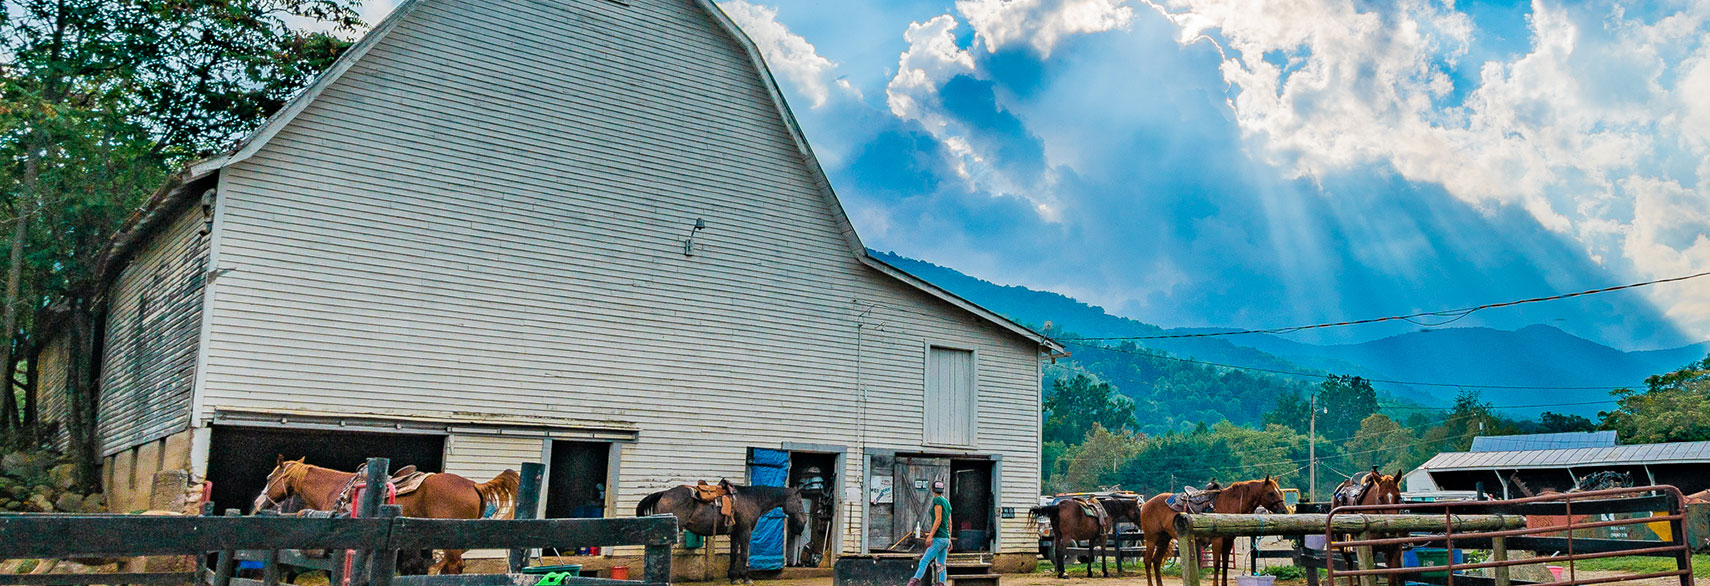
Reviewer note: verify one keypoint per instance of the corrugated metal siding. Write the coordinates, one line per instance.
(154, 322)
(950, 397)
(50, 388)
(487, 214)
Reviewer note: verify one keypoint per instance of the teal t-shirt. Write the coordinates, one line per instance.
(943, 529)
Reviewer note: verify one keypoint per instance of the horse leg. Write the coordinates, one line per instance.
(739, 537)
(1104, 558)
(453, 562)
(1394, 561)
(1057, 553)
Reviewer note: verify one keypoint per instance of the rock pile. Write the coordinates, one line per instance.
(41, 482)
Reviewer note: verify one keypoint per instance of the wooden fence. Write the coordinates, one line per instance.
(278, 541)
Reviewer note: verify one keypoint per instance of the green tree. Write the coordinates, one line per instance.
(1092, 464)
(1552, 422)
(1076, 404)
(99, 101)
(1344, 401)
(1379, 442)
(1675, 407)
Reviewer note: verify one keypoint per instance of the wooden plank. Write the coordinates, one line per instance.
(80, 579)
(40, 536)
(508, 534)
(1499, 553)
(1189, 550)
(528, 502)
(1367, 561)
(1225, 525)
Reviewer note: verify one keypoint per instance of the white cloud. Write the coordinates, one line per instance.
(1577, 131)
(1041, 23)
(787, 54)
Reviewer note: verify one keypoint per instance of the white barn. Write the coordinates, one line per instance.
(471, 244)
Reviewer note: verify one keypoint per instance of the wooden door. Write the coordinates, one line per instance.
(913, 493)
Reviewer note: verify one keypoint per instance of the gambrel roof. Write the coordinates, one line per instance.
(180, 192)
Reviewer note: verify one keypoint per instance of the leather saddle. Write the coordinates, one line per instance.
(719, 495)
(406, 479)
(1193, 501)
(1352, 490)
(1093, 510)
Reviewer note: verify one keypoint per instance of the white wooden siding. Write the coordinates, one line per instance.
(485, 216)
(50, 388)
(154, 318)
(480, 457)
(950, 406)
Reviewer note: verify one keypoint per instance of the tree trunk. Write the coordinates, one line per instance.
(81, 395)
(22, 209)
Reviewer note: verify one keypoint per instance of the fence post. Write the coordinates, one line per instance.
(656, 560)
(1189, 550)
(528, 501)
(227, 564)
(1682, 558)
(1366, 560)
(385, 557)
(1498, 553)
(373, 493)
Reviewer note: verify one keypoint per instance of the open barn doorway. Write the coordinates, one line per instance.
(815, 474)
(239, 458)
(971, 499)
(576, 481)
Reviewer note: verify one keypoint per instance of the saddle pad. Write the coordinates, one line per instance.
(409, 482)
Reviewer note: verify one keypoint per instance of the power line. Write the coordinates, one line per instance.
(1451, 315)
(1374, 380)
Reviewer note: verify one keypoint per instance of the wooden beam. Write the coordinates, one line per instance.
(410, 532)
(1188, 547)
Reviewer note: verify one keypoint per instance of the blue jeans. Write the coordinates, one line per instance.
(940, 551)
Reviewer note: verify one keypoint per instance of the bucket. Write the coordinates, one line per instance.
(620, 572)
(1432, 556)
(573, 569)
(1315, 541)
(692, 540)
(1254, 580)
(1556, 571)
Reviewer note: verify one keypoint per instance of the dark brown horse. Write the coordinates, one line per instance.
(1372, 488)
(1071, 521)
(1158, 524)
(1121, 509)
(440, 496)
(703, 518)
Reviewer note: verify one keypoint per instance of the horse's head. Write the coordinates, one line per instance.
(1123, 509)
(797, 513)
(280, 484)
(1264, 493)
(1386, 489)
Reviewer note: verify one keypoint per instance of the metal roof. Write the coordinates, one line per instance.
(1675, 453)
(1544, 441)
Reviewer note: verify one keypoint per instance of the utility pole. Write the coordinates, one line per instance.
(1312, 450)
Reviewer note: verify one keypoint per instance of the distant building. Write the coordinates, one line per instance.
(1544, 441)
(1514, 473)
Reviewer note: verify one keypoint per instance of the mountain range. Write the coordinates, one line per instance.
(1526, 367)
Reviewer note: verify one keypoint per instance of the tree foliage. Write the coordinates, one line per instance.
(1076, 405)
(1674, 407)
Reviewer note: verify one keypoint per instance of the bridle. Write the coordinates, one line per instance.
(288, 473)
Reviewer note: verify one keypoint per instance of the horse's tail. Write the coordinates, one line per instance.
(499, 495)
(645, 507)
(1048, 512)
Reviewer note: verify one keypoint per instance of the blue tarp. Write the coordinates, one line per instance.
(766, 548)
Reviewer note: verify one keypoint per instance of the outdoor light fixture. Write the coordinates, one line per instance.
(689, 243)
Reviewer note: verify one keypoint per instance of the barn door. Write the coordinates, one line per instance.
(766, 546)
(913, 493)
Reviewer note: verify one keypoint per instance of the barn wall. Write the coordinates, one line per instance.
(485, 217)
(153, 322)
(50, 388)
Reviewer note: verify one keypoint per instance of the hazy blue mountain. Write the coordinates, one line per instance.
(1534, 355)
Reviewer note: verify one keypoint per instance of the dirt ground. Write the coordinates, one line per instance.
(1135, 579)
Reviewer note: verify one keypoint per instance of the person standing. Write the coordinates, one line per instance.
(939, 551)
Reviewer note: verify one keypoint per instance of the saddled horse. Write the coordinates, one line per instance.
(749, 503)
(438, 496)
(1372, 488)
(1120, 509)
(1158, 524)
(1074, 520)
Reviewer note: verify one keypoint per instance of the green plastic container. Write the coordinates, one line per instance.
(692, 540)
(1432, 556)
(568, 568)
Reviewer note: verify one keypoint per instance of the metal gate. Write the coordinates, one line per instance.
(1558, 541)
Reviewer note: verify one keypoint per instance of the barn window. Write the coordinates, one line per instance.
(950, 405)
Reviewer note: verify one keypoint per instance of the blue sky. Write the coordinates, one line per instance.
(1255, 163)
(1262, 163)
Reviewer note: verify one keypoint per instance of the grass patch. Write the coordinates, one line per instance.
(1644, 565)
(1128, 565)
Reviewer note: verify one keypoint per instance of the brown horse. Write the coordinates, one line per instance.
(1120, 509)
(1372, 488)
(1072, 522)
(703, 518)
(440, 496)
(1158, 524)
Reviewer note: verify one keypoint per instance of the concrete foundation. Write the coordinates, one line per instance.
(154, 476)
